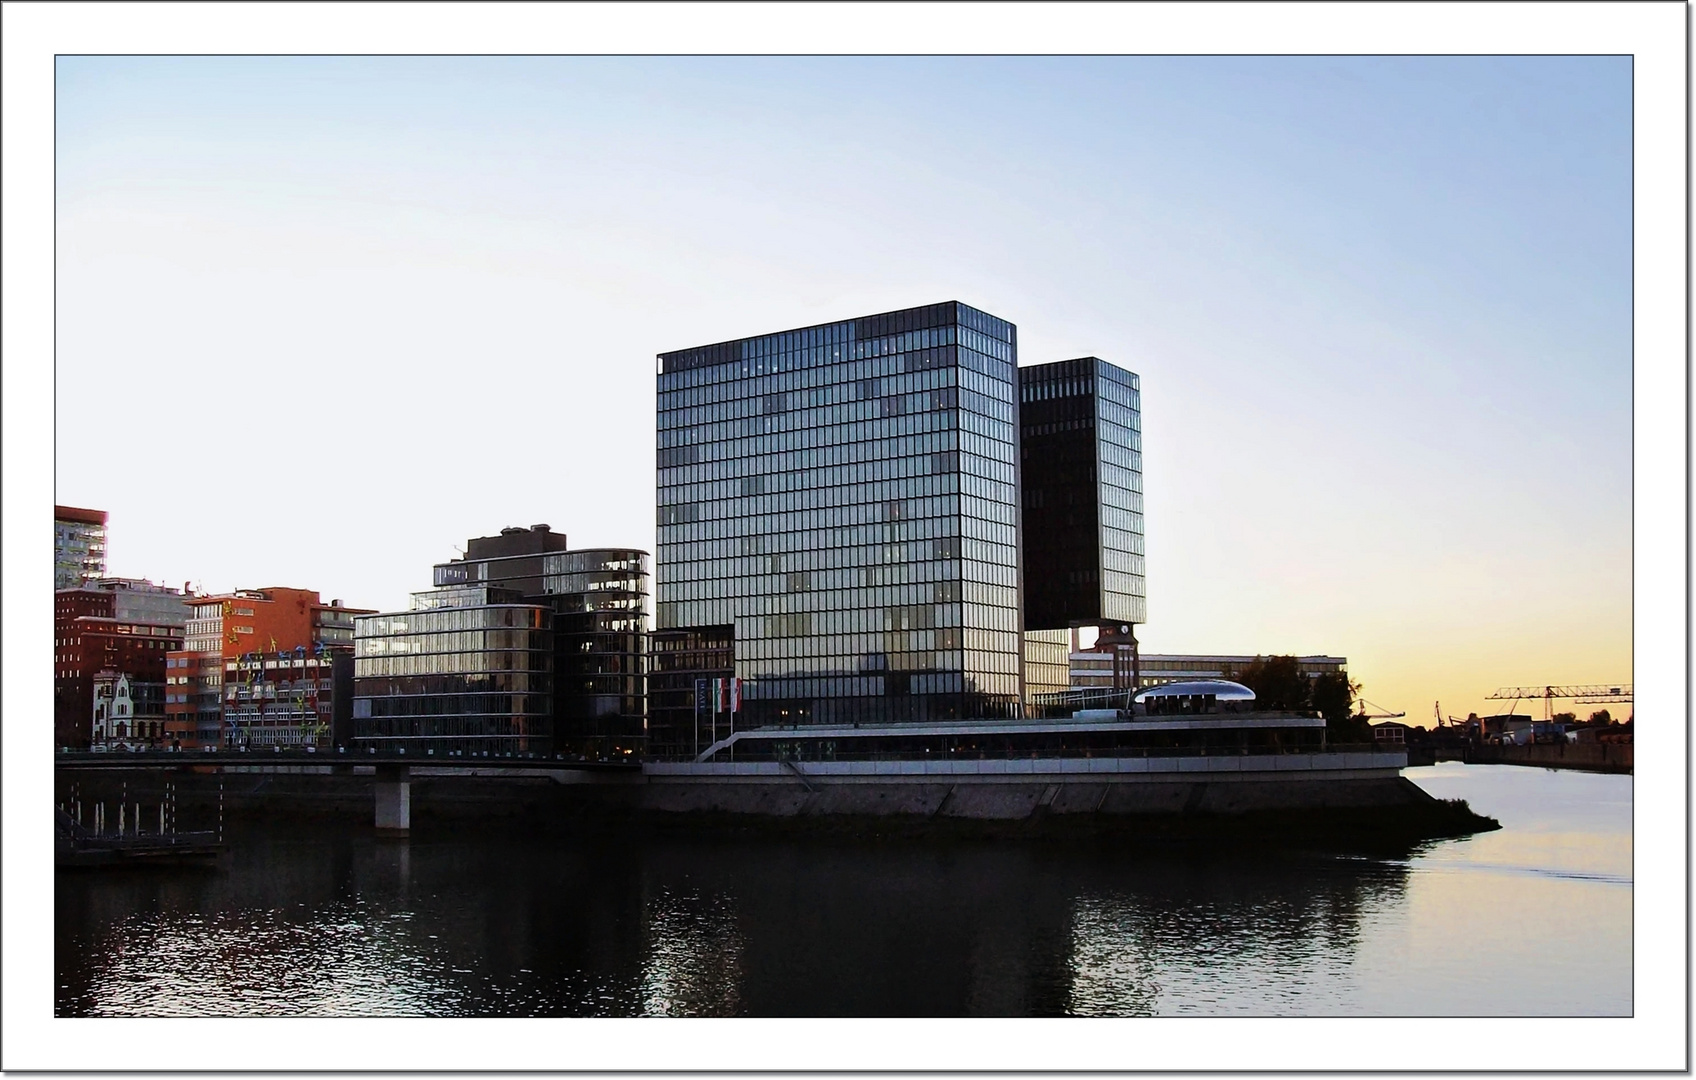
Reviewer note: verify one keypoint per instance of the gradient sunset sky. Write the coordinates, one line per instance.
(1381, 308)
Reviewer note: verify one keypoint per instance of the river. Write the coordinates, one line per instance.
(1534, 919)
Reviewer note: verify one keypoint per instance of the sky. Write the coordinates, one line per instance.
(349, 312)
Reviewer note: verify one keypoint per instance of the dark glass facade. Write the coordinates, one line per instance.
(682, 661)
(844, 497)
(1081, 465)
(600, 621)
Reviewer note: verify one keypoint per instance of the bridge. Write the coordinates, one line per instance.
(393, 768)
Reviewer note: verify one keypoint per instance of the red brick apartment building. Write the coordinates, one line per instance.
(101, 631)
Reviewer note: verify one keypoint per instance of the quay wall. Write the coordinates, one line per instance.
(1002, 790)
(961, 790)
(1592, 757)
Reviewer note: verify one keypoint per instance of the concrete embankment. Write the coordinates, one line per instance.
(1359, 800)
(780, 796)
(1014, 800)
(1288, 797)
(1593, 757)
(1009, 789)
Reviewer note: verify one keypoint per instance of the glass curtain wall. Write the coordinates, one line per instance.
(1047, 663)
(845, 498)
(468, 671)
(1118, 430)
(683, 662)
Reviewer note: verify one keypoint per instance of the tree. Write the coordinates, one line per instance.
(1277, 682)
(1600, 716)
(1333, 696)
(1565, 718)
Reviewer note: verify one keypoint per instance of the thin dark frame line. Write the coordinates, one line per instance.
(1687, 536)
(1688, 516)
(830, 56)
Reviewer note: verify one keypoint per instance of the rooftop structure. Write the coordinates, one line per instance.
(133, 599)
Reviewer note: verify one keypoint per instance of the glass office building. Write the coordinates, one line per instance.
(844, 498)
(469, 671)
(684, 666)
(525, 647)
(599, 598)
(1081, 467)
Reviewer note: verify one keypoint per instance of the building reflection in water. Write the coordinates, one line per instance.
(1269, 937)
(305, 924)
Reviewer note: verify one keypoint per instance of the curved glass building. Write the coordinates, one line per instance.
(526, 648)
(469, 670)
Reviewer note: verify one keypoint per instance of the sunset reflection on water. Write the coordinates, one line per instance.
(1534, 919)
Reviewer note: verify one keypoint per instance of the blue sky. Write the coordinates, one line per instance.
(1381, 308)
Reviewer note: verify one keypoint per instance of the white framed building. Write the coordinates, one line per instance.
(1095, 668)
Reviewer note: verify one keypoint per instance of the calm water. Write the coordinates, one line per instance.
(1534, 919)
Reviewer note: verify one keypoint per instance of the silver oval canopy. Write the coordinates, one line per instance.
(1221, 689)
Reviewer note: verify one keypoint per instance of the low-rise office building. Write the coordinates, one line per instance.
(467, 671)
(1103, 668)
(525, 647)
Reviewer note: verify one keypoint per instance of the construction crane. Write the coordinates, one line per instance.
(1437, 712)
(1580, 695)
(1364, 715)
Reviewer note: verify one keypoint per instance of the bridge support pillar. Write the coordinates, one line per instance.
(394, 800)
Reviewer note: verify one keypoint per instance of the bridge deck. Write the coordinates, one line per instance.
(191, 759)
